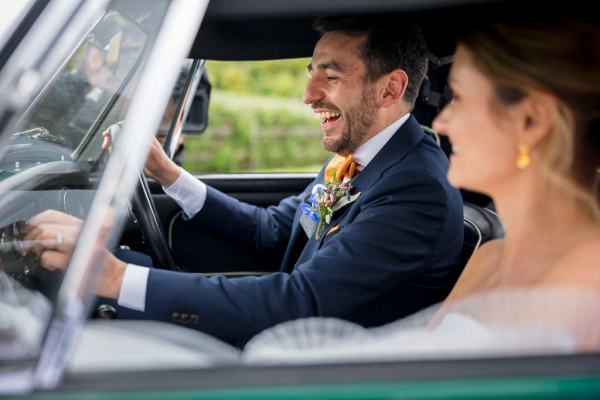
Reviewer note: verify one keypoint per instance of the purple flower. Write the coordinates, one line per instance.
(318, 189)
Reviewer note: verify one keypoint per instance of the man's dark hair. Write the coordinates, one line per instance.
(392, 43)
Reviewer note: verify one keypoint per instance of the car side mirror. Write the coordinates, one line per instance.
(197, 119)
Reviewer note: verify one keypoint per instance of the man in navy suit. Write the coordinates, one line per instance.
(392, 251)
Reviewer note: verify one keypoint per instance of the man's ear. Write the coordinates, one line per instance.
(537, 118)
(393, 87)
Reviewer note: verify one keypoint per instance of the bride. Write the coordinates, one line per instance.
(524, 123)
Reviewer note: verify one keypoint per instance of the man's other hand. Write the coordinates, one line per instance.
(158, 165)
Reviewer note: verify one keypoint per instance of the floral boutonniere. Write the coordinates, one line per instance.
(319, 206)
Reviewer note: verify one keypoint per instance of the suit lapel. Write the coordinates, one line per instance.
(401, 143)
(298, 238)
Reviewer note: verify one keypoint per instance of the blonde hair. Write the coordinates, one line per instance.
(559, 57)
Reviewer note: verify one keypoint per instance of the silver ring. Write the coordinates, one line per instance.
(59, 240)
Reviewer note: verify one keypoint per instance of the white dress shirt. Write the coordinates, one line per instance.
(190, 194)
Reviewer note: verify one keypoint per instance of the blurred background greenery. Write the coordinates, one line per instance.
(257, 121)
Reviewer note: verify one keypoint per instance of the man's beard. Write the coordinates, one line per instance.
(358, 120)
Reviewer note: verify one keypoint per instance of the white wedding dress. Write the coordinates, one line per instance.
(500, 323)
(23, 317)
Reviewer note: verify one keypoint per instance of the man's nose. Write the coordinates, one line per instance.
(312, 92)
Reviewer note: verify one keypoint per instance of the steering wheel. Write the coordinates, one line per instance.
(145, 211)
(25, 268)
(147, 216)
(52, 178)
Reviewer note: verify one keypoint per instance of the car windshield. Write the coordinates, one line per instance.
(94, 82)
(52, 159)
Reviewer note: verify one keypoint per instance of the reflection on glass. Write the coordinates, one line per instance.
(53, 160)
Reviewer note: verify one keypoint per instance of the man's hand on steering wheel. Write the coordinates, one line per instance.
(158, 165)
(162, 169)
(51, 235)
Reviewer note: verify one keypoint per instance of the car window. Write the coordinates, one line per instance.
(257, 121)
(52, 159)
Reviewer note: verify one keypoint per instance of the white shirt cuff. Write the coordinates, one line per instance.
(133, 288)
(188, 192)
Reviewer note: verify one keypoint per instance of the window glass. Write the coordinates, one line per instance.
(258, 122)
(9, 17)
(53, 160)
(92, 78)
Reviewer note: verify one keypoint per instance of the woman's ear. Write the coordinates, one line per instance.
(393, 87)
(537, 118)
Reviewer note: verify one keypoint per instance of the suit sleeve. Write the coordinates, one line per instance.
(390, 239)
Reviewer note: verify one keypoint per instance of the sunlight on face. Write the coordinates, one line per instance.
(484, 145)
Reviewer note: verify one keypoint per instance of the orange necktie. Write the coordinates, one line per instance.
(340, 167)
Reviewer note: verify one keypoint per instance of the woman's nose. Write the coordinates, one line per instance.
(440, 122)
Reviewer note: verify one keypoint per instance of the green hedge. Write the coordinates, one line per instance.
(255, 133)
(281, 78)
(257, 120)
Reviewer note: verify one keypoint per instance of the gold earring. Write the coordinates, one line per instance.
(523, 158)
